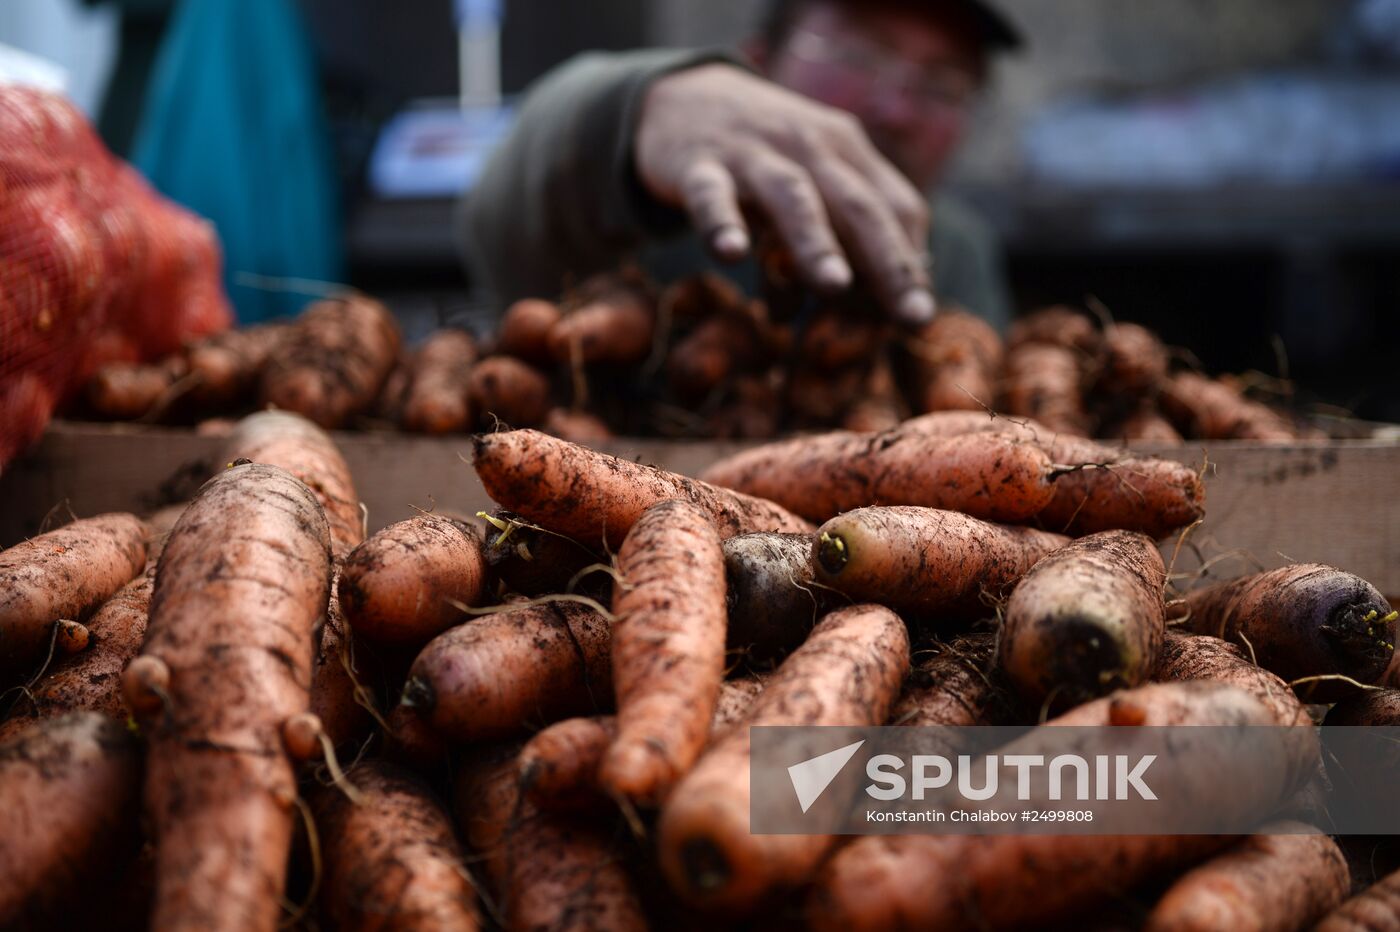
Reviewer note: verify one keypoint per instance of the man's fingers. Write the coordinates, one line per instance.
(708, 193)
(879, 243)
(786, 194)
(904, 199)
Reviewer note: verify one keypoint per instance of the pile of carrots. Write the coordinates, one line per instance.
(241, 712)
(696, 359)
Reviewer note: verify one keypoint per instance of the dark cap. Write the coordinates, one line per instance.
(993, 28)
(999, 32)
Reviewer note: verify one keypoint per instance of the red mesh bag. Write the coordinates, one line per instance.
(94, 265)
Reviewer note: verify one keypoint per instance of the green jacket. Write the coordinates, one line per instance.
(561, 199)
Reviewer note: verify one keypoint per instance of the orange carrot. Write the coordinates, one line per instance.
(982, 475)
(90, 681)
(953, 363)
(1042, 381)
(240, 588)
(69, 807)
(65, 573)
(127, 391)
(500, 674)
(607, 319)
(576, 426)
(957, 684)
(932, 564)
(436, 398)
(1117, 490)
(548, 870)
(1211, 409)
(333, 362)
(593, 497)
(1269, 883)
(504, 390)
(225, 368)
(1085, 620)
(524, 330)
(559, 766)
(1006, 881)
(405, 584)
(1375, 909)
(293, 443)
(1206, 658)
(391, 859)
(1058, 326)
(848, 672)
(1134, 361)
(667, 649)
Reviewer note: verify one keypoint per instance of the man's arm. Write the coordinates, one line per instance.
(613, 148)
(560, 197)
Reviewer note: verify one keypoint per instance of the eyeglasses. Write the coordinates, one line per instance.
(944, 86)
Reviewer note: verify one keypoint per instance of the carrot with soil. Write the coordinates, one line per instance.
(928, 563)
(1085, 620)
(524, 330)
(559, 766)
(405, 584)
(1209, 408)
(436, 398)
(608, 319)
(593, 497)
(225, 368)
(952, 364)
(1004, 881)
(1375, 909)
(1111, 489)
(63, 574)
(69, 791)
(503, 390)
(1186, 657)
(958, 684)
(1043, 381)
(91, 680)
(548, 870)
(667, 649)
(392, 861)
(504, 672)
(291, 442)
(241, 585)
(1300, 621)
(1266, 883)
(982, 475)
(1133, 362)
(128, 391)
(848, 672)
(1057, 326)
(333, 362)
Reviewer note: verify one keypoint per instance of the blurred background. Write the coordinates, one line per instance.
(1225, 173)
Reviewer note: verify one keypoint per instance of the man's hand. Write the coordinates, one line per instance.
(712, 137)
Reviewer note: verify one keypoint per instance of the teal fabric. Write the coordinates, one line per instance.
(233, 129)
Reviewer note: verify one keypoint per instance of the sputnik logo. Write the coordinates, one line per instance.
(811, 777)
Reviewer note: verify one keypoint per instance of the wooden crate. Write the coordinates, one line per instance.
(1335, 502)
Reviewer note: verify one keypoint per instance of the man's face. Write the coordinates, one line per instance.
(908, 77)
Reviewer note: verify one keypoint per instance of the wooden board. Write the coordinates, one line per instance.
(1267, 505)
